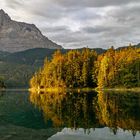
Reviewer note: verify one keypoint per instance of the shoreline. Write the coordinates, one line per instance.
(137, 89)
(61, 89)
(14, 89)
(38, 90)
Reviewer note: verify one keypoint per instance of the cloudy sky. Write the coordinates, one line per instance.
(81, 23)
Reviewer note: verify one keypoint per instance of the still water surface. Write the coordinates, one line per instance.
(69, 116)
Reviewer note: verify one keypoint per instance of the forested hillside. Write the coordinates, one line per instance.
(114, 68)
(35, 56)
(16, 69)
(16, 75)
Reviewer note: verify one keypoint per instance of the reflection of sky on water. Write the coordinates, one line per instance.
(97, 134)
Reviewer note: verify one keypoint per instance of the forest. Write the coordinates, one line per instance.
(85, 68)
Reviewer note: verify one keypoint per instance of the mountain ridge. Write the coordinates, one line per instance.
(35, 56)
(19, 36)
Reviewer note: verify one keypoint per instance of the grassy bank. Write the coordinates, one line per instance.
(136, 89)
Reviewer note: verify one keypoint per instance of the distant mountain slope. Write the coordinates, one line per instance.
(18, 36)
(138, 45)
(30, 57)
(35, 56)
(17, 68)
(16, 75)
(3, 54)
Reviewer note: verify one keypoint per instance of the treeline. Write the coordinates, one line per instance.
(119, 68)
(73, 69)
(114, 68)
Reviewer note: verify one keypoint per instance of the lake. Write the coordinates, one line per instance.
(69, 115)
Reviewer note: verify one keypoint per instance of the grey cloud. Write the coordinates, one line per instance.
(126, 14)
(56, 29)
(95, 30)
(73, 3)
(77, 39)
(70, 37)
(117, 32)
(92, 3)
(127, 19)
(14, 3)
(100, 22)
(86, 14)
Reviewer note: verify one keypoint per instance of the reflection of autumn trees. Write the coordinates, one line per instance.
(73, 110)
(90, 110)
(50, 104)
(119, 110)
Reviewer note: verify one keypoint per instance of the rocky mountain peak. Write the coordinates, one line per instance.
(18, 36)
(4, 18)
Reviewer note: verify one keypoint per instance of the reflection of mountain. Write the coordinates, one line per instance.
(90, 110)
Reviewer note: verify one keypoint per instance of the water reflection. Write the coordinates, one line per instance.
(90, 110)
(72, 110)
(19, 119)
(119, 110)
